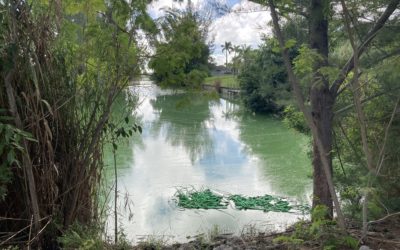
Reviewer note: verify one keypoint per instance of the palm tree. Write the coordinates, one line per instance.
(236, 49)
(236, 59)
(227, 47)
(245, 49)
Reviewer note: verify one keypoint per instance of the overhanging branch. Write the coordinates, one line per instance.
(392, 6)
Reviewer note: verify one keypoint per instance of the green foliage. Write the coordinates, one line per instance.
(321, 231)
(181, 58)
(228, 48)
(263, 80)
(379, 82)
(329, 73)
(305, 63)
(152, 243)
(290, 240)
(81, 237)
(295, 119)
(11, 149)
(123, 242)
(119, 131)
(68, 63)
(265, 86)
(196, 77)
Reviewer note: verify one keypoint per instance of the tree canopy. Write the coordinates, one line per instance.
(181, 52)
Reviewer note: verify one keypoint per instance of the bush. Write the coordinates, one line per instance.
(295, 119)
(263, 79)
(10, 150)
(81, 237)
(195, 78)
(321, 231)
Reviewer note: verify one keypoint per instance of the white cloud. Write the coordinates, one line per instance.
(244, 25)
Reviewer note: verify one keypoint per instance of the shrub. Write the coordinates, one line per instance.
(195, 78)
(321, 231)
(295, 119)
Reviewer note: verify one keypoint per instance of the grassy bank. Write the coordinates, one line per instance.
(228, 81)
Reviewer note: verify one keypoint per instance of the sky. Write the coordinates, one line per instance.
(244, 24)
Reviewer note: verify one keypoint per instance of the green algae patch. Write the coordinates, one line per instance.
(202, 199)
(207, 199)
(266, 203)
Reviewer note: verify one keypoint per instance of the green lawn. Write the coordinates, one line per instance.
(229, 81)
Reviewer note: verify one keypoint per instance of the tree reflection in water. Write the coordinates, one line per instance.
(182, 119)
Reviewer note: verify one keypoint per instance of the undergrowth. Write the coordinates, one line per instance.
(322, 232)
(83, 237)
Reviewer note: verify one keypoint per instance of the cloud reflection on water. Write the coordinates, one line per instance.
(199, 145)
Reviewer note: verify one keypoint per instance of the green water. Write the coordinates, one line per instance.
(195, 140)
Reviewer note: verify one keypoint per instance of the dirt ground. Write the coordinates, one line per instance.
(384, 235)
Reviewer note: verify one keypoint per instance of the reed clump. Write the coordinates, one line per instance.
(62, 66)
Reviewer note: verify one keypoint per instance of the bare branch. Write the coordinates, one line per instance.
(384, 218)
(392, 6)
(382, 152)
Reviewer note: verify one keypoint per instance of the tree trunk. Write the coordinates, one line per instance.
(325, 158)
(321, 106)
(321, 102)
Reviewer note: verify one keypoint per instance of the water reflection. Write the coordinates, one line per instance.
(282, 153)
(224, 159)
(181, 119)
(190, 140)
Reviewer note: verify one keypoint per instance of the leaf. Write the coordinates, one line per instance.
(329, 73)
(2, 146)
(17, 146)
(305, 61)
(10, 157)
(26, 135)
(6, 118)
(115, 146)
(48, 107)
(290, 43)
(127, 120)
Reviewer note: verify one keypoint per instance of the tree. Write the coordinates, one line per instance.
(323, 93)
(263, 79)
(181, 57)
(236, 59)
(227, 47)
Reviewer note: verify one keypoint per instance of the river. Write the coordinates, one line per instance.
(193, 140)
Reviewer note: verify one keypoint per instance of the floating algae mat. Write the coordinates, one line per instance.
(266, 203)
(207, 199)
(200, 199)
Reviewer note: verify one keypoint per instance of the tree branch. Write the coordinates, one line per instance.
(384, 218)
(392, 6)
